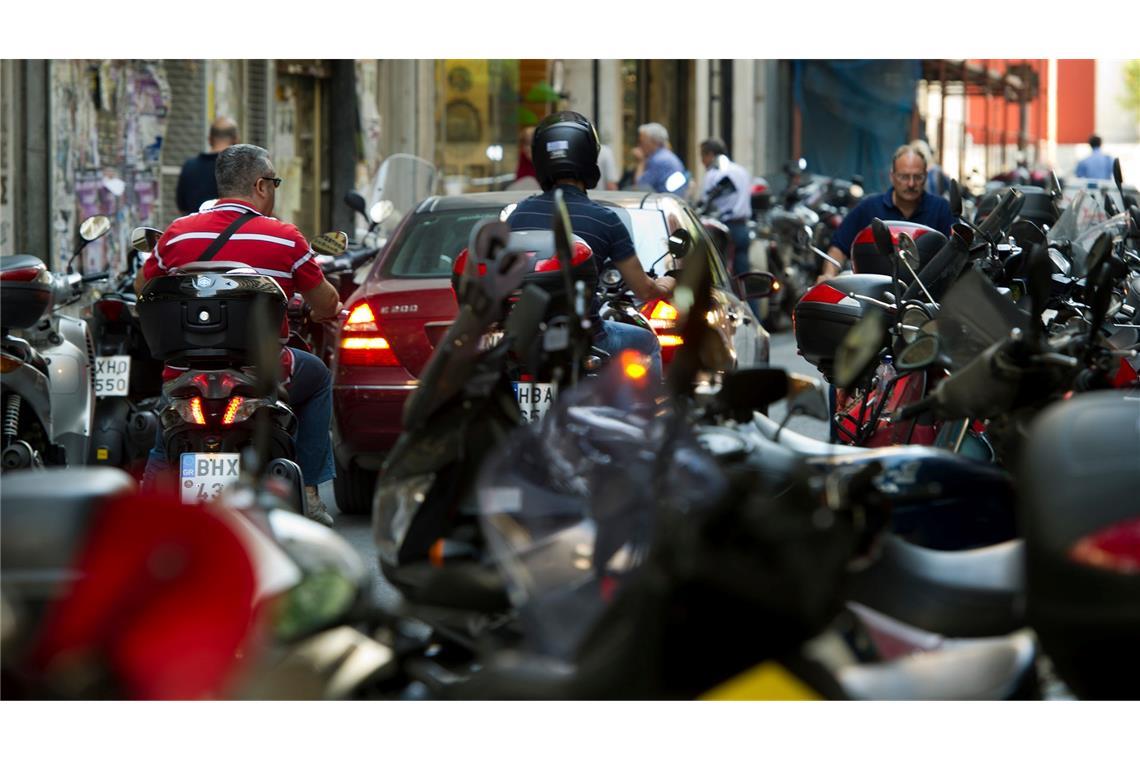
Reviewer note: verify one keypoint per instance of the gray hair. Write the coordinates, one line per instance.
(902, 150)
(238, 169)
(655, 132)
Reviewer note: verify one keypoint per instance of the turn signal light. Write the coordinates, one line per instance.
(634, 365)
(196, 411)
(232, 410)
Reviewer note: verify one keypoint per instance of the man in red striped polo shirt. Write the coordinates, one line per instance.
(247, 184)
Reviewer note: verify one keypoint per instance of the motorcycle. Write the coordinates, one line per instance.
(211, 318)
(128, 379)
(49, 399)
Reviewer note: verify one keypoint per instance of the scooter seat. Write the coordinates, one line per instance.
(44, 522)
(989, 668)
(965, 593)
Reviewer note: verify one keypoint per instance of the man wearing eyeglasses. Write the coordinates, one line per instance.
(247, 184)
(907, 200)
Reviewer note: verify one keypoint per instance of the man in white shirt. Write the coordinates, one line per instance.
(727, 190)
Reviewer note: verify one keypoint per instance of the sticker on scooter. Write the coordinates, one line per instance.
(205, 476)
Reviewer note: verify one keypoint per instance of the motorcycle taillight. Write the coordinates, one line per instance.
(1115, 548)
(111, 309)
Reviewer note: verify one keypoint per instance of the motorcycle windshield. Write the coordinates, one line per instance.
(405, 180)
(1116, 227)
(973, 316)
(1082, 213)
(568, 505)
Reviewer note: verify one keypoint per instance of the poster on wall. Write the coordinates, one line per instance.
(108, 139)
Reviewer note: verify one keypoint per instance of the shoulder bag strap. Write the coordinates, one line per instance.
(216, 246)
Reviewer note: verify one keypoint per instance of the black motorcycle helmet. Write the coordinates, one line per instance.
(565, 146)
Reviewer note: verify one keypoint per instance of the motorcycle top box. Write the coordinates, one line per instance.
(25, 291)
(827, 311)
(867, 259)
(544, 269)
(201, 313)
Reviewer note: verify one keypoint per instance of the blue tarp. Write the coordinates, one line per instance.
(855, 113)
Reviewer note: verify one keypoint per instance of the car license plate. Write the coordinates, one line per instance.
(204, 476)
(534, 399)
(112, 375)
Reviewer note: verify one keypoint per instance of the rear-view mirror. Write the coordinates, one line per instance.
(330, 243)
(807, 396)
(144, 239)
(356, 202)
(919, 354)
(94, 228)
(680, 241)
(860, 348)
(756, 284)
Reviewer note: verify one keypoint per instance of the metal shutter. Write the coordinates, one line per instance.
(255, 120)
(185, 127)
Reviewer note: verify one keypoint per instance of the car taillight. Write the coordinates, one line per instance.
(461, 264)
(1115, 548)
(365, 345)
(670, 341)
(368, 352)
(662, 315)
(580, 255)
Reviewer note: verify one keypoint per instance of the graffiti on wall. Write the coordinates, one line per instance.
(108, 137)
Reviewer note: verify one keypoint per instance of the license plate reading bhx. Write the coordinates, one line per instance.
(205, 476)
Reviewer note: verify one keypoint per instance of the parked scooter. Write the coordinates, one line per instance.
(128, 379)
(55, 348)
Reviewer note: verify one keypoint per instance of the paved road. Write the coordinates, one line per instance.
(357, 529)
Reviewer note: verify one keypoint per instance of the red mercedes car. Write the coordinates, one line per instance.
(406, 304)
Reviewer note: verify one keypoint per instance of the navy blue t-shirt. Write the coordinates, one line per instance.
(599, 226)
(932, 211)
(196, 182)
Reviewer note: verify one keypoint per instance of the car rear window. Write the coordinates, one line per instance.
(429, 244)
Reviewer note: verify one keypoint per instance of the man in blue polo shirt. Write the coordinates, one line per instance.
(907, 201)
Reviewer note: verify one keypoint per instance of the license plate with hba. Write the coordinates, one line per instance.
(205, 476)
(534, 399)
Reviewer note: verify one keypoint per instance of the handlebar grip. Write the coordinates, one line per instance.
(96, 276)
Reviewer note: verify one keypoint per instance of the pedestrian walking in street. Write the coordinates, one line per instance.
(658, 168)
(196, 181)
(1097, 165)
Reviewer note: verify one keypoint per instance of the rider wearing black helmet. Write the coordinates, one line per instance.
(565, 154)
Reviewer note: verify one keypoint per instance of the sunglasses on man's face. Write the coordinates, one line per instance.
(275, 180)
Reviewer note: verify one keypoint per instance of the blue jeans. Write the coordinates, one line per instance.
(310, 398)
(620, 336)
